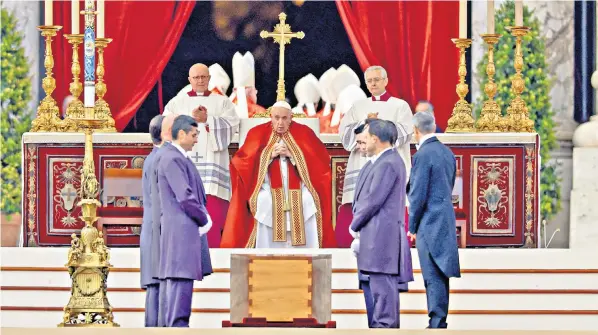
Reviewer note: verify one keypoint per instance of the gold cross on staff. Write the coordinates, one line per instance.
(282, 35)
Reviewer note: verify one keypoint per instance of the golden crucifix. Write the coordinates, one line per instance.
(282, 35)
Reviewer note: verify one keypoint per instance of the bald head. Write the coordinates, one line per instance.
(199, 77)
(167, 127)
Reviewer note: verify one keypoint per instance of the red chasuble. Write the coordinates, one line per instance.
(248, 169)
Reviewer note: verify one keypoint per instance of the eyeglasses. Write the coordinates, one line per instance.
(374, 80)
(196, 78)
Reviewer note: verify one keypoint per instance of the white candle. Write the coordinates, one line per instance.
(74, 16)
(490, 18)
(519, 13)
(48, 12)
(101, 15)
(462, 18)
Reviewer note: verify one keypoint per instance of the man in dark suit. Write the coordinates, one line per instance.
(432, 221)
(426, 106)
(378, 217)
(183, 200)
(150, 284)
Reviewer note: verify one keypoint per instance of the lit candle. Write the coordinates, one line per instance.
(462, 18)
(519, 13)
(75, 16)
(490, 19)
(101, 13)
(48, 12)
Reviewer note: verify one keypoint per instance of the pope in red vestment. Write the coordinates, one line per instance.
(257, 162)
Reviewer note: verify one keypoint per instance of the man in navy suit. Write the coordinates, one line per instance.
(432, 221)
(426, 106)
(151, 285)
(378, 216)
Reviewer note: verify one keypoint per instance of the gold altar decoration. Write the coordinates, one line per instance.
(102, 109)
(517, 118)
(282, 35)
(491, 119)
(88, 259)
(48, 115)
(75, 108)
(461, 120)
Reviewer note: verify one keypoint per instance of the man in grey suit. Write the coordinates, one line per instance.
(151, 285)
(432, 221)
(378, 215)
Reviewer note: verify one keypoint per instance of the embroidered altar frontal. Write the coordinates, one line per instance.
(495, 196)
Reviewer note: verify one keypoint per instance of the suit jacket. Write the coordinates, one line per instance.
(156, 212)
(431, 213)
(379, 215)
(182, 199)
(145, 240)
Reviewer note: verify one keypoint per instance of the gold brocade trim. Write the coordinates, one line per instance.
(31, 196)
(278, 216)
(304, 174)
(297, 222)
(529, 196)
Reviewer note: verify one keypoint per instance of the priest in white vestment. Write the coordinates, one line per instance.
(217, 123)
(382, 106)
(219, 81)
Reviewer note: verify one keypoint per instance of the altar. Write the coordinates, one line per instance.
(496, 196)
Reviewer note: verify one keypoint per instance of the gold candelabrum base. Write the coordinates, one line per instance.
(490, 119)
(102, 109)
(517, 118)
(88, 259)
(75, 109)
(48, 114)
(461, 120)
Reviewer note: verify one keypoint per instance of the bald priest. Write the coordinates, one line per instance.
(281, 182)
(217, 123)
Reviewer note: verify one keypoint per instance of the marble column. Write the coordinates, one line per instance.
(584, 212)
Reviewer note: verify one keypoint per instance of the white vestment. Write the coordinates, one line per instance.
(263, 215)
(395, 110)
(210, 153)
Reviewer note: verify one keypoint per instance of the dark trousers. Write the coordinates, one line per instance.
(385, 297)
(369, 301)
(437, 287)
(152, 293)
(178, 302)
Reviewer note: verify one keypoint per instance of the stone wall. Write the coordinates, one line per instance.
(557, 24)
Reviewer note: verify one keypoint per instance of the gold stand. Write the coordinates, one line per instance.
(88, 258)
(75, 108)
(461, 120)
(517, 119)
(102, 109)
(491, 117)
(282, 35)
(48, 115)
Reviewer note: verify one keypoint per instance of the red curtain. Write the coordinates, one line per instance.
(417, 52)
(144, 33)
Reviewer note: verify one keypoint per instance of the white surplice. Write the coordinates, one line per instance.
(395, 110)
(263, 215)
(210, 154)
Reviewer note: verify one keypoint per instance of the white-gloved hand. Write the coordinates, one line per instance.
(205, 229)
(353, 233)
(355, 247)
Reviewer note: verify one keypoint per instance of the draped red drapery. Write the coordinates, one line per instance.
(416, 51)
(144, 33)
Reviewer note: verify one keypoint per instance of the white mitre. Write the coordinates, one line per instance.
(324, 84)
(243, 76)
(218, 79)
(307, 93)
(344, 78)
(346, 99)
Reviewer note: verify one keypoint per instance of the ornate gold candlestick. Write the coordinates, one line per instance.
(75, 108)
(102, 109)
(461, 120)
(88, 258)
(517, 119)
(491, 117)
(48, 115)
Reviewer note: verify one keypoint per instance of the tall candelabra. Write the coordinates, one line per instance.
(48, 115)
(102, 109)
(517, 119)
(461, 120)
(490, 119)
(75, 108)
